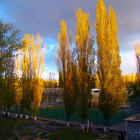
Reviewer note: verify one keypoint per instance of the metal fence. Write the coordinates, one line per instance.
(131, 107)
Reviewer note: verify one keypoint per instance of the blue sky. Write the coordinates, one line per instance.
(44, 16)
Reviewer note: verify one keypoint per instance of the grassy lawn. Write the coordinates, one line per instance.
(6, 128)
(62, 133)
(69, 134)
(21, 130)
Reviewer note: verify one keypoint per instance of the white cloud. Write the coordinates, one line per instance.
(128, 62)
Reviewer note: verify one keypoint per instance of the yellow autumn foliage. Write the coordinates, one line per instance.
(31, 66)
(18, 93)
(64, 65)
(128, 79)
(85, 60)
(109, 60)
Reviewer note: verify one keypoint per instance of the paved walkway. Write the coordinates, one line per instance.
(116, 127)
(119, 127)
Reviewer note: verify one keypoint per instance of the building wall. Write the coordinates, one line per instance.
(133, 130)
(51, 97)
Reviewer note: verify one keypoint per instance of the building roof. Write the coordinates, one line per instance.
(134, 118)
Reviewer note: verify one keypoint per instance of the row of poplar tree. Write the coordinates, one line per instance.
(76, 65)
(21, 67)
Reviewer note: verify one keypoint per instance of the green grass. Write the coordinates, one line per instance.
(6, 128)
(62, 133)
(69, 134)
(25, 123)
(22, 131)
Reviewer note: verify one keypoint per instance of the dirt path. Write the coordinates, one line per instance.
(15, 132)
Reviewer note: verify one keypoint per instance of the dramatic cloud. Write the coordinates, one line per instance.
(43, 16)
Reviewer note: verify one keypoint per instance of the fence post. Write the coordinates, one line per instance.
(89, 115)
(96, 121)
(63, 114)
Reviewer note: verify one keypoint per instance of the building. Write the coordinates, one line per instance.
(52, 96)
(95, 98)
(133, 127)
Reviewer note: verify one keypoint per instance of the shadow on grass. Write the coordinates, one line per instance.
(7, 127)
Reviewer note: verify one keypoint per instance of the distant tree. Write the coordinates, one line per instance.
(128, 79)
(65, 69)
(85, 59)
(51, 82)
(108, 60)
(133, 90)
(131, 81)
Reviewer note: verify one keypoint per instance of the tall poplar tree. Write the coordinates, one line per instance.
(137, 53)
(109, 60)
(32, 66)
(26, 75)
(37, 57)
(85, 59)
(65, 67)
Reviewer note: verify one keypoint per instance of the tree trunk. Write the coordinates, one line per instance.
(106, 124)
(67, 118)
(35, 117)
(83, 120)
(16, 108)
